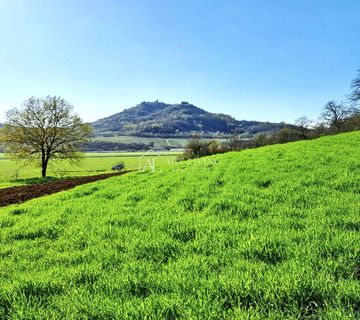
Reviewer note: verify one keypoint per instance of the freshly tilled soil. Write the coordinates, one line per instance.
(24, 193)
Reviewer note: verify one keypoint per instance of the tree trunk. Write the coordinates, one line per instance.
(44, 165)
(43, 171)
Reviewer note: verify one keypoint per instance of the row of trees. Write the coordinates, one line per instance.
(116, 146)
(335, 118)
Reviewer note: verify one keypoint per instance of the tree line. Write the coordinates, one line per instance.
(335, 117)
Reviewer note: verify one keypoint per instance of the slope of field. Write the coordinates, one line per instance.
(271, 233)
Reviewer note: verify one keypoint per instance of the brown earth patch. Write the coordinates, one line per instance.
(21, 194)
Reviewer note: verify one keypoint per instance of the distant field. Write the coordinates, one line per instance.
(93, 163)
(158, 142)
(270, 233)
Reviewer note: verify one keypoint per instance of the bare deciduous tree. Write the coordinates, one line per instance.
(334, 114)
(44, 130)
(303, 124)
(355, 95)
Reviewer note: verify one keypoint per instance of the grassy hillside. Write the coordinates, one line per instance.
(266, 233)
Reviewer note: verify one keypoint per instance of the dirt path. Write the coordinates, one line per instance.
(23, 193)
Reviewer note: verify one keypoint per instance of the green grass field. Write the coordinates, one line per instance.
(92, 163)
(270, 233)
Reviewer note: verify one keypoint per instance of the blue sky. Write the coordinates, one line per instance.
(257, 60)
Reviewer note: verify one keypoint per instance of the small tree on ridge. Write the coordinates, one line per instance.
(303, 125)
(334, 114)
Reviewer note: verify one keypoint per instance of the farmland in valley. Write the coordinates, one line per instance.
(156, 141)
(270, 233)
(14, 174)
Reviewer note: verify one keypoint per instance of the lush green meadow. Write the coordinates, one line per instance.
(270, 233)
(92, 163)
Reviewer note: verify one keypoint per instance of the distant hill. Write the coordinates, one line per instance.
(183, 119)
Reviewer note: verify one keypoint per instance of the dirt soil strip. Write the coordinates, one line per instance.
(24, 193)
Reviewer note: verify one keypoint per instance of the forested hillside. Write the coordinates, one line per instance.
(171, 120)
